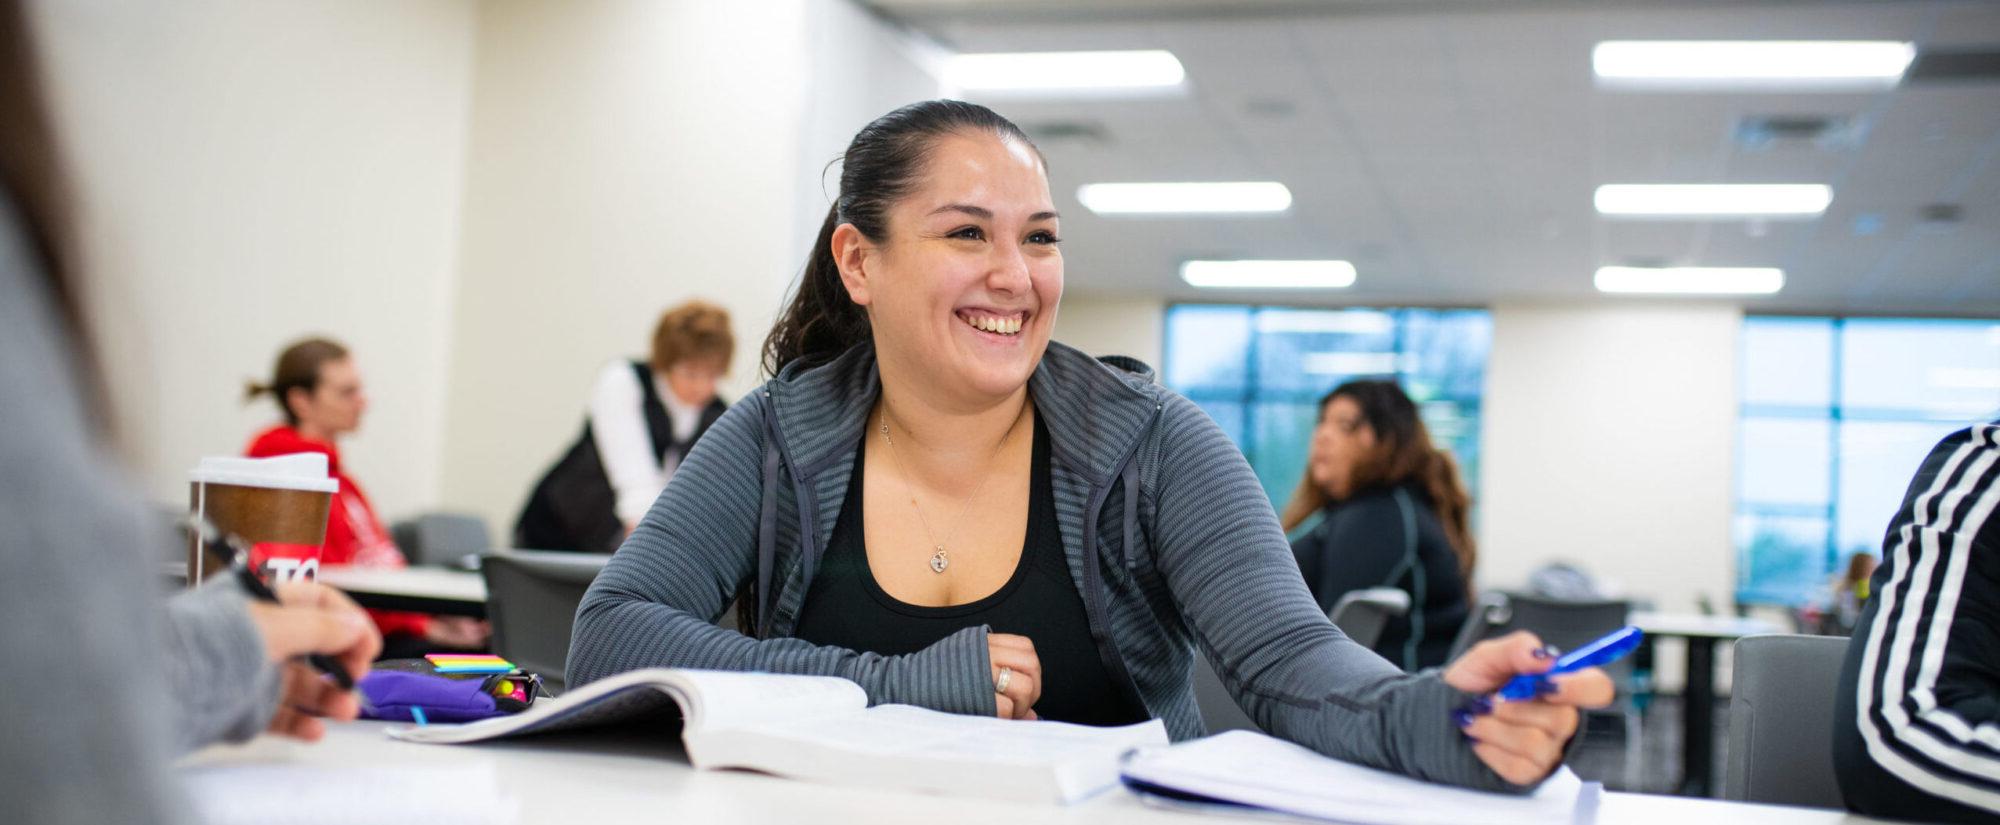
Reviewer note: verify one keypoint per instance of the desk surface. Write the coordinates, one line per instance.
(1655, 623)
(643, 776)
(424, 582)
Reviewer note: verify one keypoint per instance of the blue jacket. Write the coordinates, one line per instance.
(1170, 540)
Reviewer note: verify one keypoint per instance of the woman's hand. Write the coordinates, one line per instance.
(1024, 674)
(461, 632)
(313, 618)
(1522, 741)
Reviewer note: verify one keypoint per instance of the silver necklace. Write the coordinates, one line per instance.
(940, 555)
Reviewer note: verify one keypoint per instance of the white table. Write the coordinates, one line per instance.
(643, 776)
(419, 589)
(1702, 632)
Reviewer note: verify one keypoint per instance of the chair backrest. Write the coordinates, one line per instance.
(1361, 614)
(1219, 711)
(441, 538)
(1364, 614)
(1564, 623)
(1781, 720)
(531, 599)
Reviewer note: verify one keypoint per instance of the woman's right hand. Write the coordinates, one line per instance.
(1024, 680)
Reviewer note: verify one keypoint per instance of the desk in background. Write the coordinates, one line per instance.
(642, 776)
(417, 589)
(1698, 697)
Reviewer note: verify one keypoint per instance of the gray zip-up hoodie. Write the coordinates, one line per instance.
(1169, 537)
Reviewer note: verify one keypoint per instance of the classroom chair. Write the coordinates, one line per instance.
(1364, 614)
(1566, 624)
(1781, 721)
(441, 538)
(531, 599)
(1361, 614)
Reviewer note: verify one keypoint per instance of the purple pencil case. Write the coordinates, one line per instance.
(414, 696)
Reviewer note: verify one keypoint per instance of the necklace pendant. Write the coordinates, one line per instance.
(938, 561)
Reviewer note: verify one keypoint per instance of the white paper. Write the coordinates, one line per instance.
(309, 795)
(1253, 769)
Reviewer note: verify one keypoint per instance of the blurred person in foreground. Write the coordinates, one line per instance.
(1917, 724)
(318, 390)
(1393, 514)
(644, 418)
(116, 680)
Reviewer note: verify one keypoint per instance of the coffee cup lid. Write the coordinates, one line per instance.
(298, 471)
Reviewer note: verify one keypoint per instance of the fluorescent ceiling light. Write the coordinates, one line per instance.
(1268, 274)
(1184, 198)
(1066, 73)
(1691, 280)
(1759, 200)
(1770, 64)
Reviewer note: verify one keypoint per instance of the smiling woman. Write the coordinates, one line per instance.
(933, 500)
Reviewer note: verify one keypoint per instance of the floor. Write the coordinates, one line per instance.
(1601, 756)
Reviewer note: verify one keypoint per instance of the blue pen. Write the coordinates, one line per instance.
(1604, 651)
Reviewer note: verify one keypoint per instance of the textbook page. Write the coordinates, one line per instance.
(706, 698)
(1247, 768)
(912, 748)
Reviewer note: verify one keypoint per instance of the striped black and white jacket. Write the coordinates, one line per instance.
(1918, 727)
(1170, 540)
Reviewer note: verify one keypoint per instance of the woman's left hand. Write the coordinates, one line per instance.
(1522, 741)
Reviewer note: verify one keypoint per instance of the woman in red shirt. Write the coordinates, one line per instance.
(318, 389)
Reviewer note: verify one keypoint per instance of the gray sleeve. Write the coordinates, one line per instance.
(88, 724)
(1219, 546)
(215, 663)
(657, 600)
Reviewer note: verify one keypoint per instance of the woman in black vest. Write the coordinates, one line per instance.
(644, 417)
(1394, 515)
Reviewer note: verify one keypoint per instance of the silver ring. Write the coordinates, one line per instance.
(1006, 675)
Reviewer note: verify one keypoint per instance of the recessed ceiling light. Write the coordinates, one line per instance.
(1690, 280)
(1066, 73)
(1762, 200)
(1268, 274)
(1184, 198)
(1737, 64)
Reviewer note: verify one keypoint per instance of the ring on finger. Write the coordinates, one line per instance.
(1006, 675)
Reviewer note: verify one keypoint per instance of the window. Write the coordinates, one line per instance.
(1260, 372)
(1836, 415)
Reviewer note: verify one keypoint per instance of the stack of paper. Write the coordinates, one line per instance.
(1243, 768)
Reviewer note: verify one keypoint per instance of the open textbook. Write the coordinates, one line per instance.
(821, 728)
(1241, 769)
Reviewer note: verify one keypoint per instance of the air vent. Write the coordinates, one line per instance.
(1954, 65)
(1823, 131)
(1940, 218)
(1052, 132)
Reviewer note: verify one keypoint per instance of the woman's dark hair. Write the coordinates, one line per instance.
(880, 166)
(298, 367)
(1403, 454)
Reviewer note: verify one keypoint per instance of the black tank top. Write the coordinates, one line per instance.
(845, 607)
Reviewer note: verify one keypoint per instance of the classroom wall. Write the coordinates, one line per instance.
(1609, 439)
(626, 155)
(1102, 325)
(251, 172)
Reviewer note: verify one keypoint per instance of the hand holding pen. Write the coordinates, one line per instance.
(1522, 740)
(320, 638)
(323, 642)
